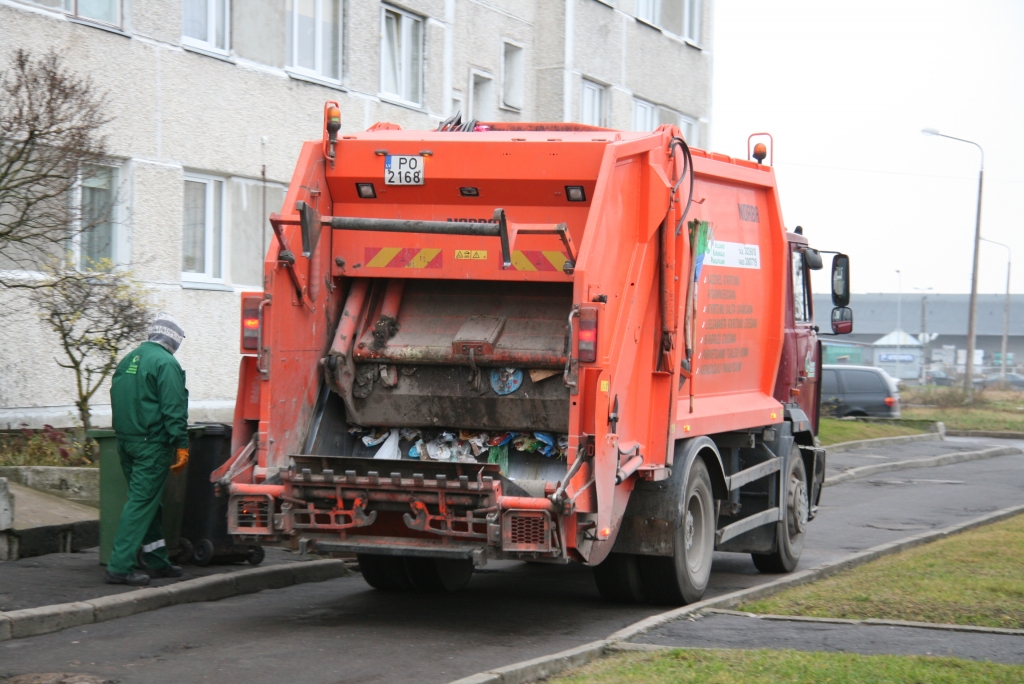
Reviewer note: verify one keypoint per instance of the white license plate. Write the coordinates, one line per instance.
(403, 169)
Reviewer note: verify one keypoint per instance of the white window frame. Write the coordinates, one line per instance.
(207, 276)
(694, 126)
(316, 74)
(692, 33)
(598, 87)
(457, 103)
(650, 114)
(420, 23)
(211, 15)
(71, 8)
(649, 11)
(473, 104)
(75, 241)
(505, 104)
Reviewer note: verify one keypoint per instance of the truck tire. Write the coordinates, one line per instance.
(790, 535)
(439, 575)
(683, 577)
(618, 579)
(385, 573)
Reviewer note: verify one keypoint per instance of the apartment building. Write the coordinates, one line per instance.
(211, 99)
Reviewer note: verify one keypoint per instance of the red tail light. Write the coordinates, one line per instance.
(587, 348)
(250, 323)
(891, 401)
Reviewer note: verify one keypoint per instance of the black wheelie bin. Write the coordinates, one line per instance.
(204, 524)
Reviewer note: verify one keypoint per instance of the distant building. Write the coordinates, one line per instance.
(899, 355)
(941, 315)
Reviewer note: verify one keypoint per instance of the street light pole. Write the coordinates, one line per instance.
(972, 313)
(925, 337)
(1006, 308)
(899, 321)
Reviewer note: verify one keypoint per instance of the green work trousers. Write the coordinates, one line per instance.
(146, 466)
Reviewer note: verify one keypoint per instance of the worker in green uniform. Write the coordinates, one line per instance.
(149, 402)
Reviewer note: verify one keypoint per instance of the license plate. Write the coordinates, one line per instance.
(403, 169)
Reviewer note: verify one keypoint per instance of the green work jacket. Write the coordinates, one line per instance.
(148, 397)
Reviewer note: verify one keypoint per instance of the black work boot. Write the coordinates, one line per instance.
(135, 579)
(167, 571)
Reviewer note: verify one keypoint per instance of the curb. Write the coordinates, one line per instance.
(545, 666)
(28, 622)
(995, 434)
(940, 626)
(931, 462)
(884, 441)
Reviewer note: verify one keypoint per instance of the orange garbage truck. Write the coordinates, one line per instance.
(538, 341)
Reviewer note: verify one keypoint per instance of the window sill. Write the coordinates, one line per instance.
(395, 100)
(315, 80)
(222, 56)
(510, 108)
(692, 44)
(96, 25)
(648, 24)
(201, 285)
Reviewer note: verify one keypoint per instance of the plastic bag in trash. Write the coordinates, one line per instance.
(499, 455)
(477, 440)
(438, 450)
(462, 451)
(527, 443)
(377, 436)
(548, 447)
(563, 445)
(389, 449)
(409, 434)
(419, 450)
(506, 380)
(501, 438)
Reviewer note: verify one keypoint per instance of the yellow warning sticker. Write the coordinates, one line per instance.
(604, 385)
(475, 254)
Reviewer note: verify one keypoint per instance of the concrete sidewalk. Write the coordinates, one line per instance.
(44, 523)
(718, 630)
(871, 455)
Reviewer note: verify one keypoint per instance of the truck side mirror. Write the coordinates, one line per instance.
(812, 258)
(842, 320)
(840, 281)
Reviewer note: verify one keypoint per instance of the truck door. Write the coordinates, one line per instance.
(804, 339)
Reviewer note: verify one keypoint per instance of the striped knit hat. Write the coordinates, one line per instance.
(166, 331)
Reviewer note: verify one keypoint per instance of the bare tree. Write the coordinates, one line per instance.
(96, 315)
(51, 141)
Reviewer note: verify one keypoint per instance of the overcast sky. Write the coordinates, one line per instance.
(845, 89)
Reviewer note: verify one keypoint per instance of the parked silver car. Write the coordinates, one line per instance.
(858, 391)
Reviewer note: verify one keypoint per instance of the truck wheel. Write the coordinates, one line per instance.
(386, 573)
(618, 579)
(683, 578)
(790, 535)
(439, 574)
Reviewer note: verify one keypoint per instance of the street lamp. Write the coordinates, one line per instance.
(972, 313)
(1006, 308)
(925, 338)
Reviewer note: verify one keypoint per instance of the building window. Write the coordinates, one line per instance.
(93, 244)
(648, 11)
(644, 116)
(401, 55)
(205, 24)
(690, 131)
(481, 100)
(202, 229)
(692, 20)
(102, 11)
(512, 76)
(457, 105)
(313, 31)
(592, 104)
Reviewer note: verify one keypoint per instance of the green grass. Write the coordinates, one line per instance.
(971, 418)
(973, 578)
(990, 409)
(834, 431)
(784, 667)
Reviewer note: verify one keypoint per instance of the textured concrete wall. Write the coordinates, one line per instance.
(178, 111)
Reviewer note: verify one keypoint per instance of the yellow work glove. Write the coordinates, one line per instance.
(180, 461)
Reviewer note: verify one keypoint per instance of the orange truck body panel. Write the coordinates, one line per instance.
(627, 256)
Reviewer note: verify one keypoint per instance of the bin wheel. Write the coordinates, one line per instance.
(185, 551)
(789, 533)
(203, 554)
(385, 573)
(255, 555)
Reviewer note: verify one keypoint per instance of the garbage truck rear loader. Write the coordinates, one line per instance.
(550, 342)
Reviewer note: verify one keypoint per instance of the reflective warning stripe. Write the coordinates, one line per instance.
(534, 260)
(150, 548)
(398, 257)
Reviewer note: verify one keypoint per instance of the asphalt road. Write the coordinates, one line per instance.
(342, 631)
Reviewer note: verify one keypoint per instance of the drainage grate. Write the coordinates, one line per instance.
(526, 531)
